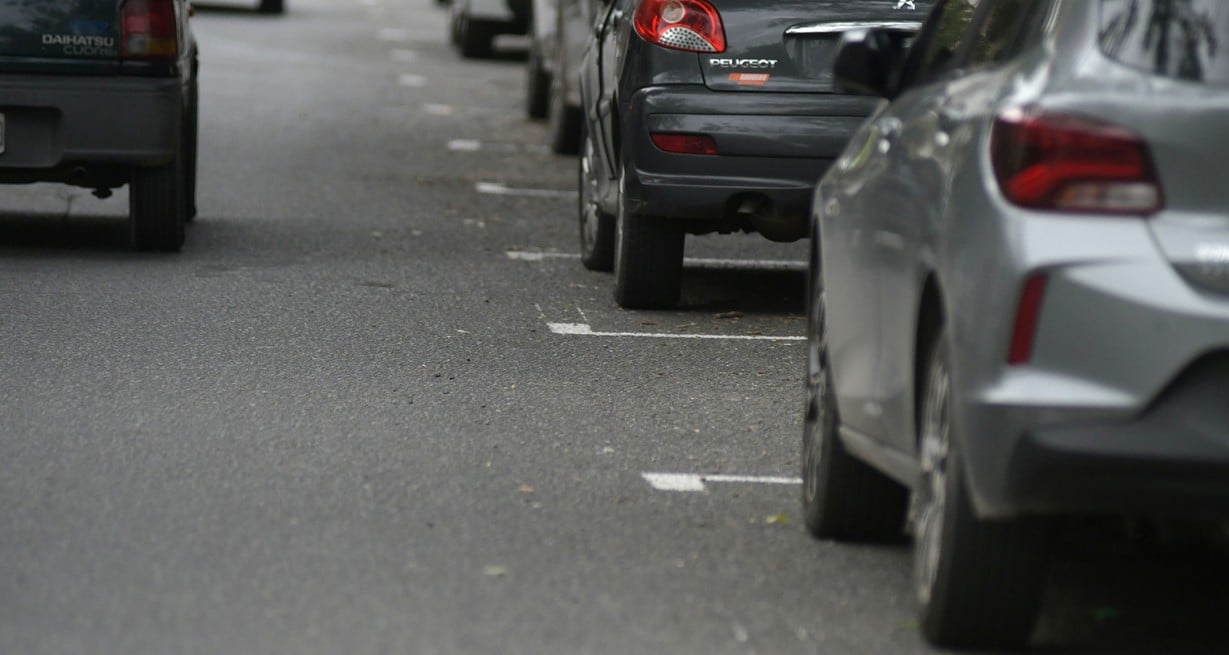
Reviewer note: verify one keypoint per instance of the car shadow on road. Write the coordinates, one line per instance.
(41, 233)
(750, 290)
(1114, 590)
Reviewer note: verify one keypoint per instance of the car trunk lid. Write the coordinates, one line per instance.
(59, 30)
(790, 45)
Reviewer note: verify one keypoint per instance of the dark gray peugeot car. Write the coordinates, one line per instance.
(709, 116)
(100, 94)
(1019, 305)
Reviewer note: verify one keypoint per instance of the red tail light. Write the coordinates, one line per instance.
(692, 25)
(686, 144)
(149, 29)
(1071, 163)
(1027, 313)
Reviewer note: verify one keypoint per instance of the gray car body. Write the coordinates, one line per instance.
(1121, 407)
(86, 120)
(775, 141)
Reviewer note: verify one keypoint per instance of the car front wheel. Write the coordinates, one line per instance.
(597, 228)
(978, 582)
(842, 497)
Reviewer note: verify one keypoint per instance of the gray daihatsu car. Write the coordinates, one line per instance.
(1019, 304)
(707, 116)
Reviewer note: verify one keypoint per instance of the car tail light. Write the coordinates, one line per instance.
(692, 25)
(149, 29)
(1027, 313)
(1063, 162)
(686, 144)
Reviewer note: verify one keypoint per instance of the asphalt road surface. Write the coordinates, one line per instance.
(377, 406)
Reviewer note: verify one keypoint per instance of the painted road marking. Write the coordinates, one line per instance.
(393, 34)
(585, 330)
(692, 483)
(500, 189)
(474, 145)
(699, 262)
(414, 81)
(403, 56)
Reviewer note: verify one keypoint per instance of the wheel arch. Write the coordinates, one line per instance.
(931, 317)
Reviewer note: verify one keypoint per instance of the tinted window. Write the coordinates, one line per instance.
(1183, 39)
(1006, 25)
(935, 50)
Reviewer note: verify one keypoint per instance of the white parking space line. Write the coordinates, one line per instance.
(697, 262)
(692, 483)
(394, 35)
(403, 56)
(413, 81)
(474, 145)
(500, 189)
(585, 330)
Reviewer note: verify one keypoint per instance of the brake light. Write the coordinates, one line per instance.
(685, 144)
(1064, 162)
(149, 30)
(691, 25)
(1027, 313)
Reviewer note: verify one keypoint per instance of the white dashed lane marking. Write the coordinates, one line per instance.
(698, 262)
(413, 81)
(585, 330)
(692, 483)
(500, 189)
(473, 145)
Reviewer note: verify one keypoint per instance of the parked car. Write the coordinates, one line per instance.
(707, 116)
(561, 31)
(476, 23)
(101, 94)
(272, 6)
(1019, 304)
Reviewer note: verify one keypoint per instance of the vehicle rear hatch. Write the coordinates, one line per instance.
(1181, 112)
(57, 30)
(790, 45)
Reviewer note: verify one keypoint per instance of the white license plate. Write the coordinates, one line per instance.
(1, 134)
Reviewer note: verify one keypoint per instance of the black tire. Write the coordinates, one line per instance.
(597, 228)
(191, 129)
(648, 258)
(537, 86)
(474, 38)
(156, 204)
(272, 6)
(979, 583)
(842, 497)
(566, 123)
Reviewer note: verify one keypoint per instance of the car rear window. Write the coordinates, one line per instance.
(1181, 39)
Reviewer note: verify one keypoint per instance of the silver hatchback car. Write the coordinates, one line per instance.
(1019, 303)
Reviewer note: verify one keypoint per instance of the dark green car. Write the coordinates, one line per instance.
(100, 94)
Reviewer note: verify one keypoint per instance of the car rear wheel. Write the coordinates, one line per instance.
(842, 497)
(537, 86)
(978, 583)
(272, 6)
(648, 258)
(156, 206)
(474, 37)
(191, 130)
(565, 121)
(597, 228)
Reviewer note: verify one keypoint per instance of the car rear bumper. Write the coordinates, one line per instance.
(58, 122)
(1172, 460)
(1120, 408)
(772, 149)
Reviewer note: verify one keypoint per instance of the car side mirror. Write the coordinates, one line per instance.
(867, 61)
